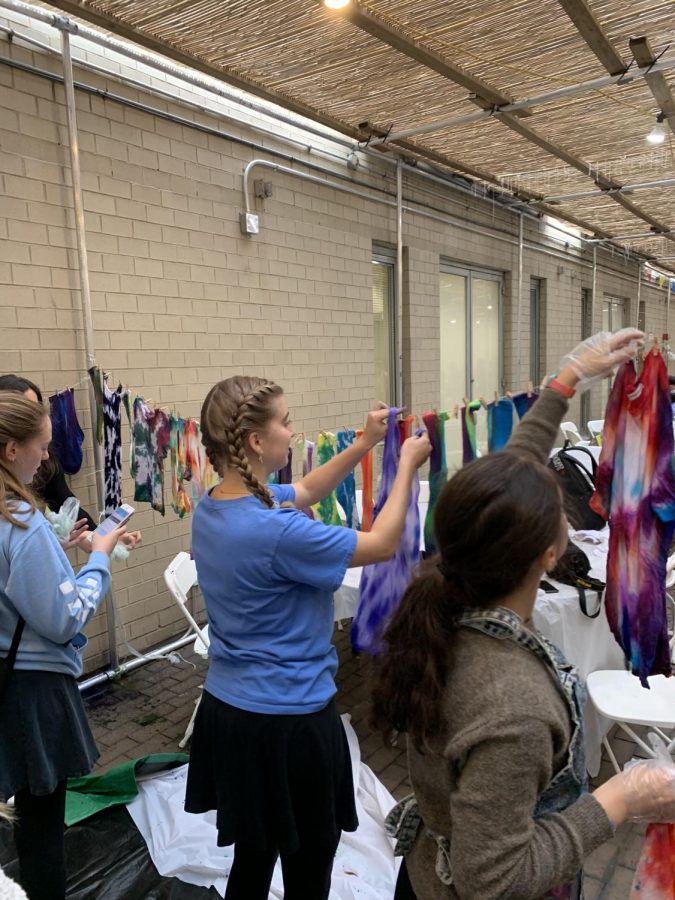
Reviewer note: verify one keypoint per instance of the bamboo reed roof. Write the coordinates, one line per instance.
(401, 64)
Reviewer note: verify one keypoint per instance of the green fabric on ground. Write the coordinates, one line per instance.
(89, 795)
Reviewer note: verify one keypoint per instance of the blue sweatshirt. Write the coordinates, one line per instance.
(38, 583)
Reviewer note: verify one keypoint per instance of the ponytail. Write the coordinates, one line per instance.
(410, 676)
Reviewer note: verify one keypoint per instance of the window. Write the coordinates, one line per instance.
(384, 323)
(535, 330)
(470, 339)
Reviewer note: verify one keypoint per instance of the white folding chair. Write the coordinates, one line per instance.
(180, 577)
(571, 433)
(620, 697)
(595, 427)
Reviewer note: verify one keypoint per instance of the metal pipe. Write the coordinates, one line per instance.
(637, 317)
(538, 100)
(399, 285)
(171, 97)
(520, 294)
(87, 319)
(445, 218)
(631, 237)
(129, 50)
(134, 663)
(624, 189)
(594, 277)
(185, 75)
(667, 328)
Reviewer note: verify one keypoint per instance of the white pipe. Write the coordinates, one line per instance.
(49, 18)
(520, 295)
(155, 61)
(593, 288)
(124, 49)
(538, 100)
(637, 316)
(399, 285)
(89, 346)
(135, 662)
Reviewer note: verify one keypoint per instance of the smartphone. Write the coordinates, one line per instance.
(548, 588)
(121, 515)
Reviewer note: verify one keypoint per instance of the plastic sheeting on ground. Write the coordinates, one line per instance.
(183, 845)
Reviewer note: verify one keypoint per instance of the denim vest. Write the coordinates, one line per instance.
(565, 787)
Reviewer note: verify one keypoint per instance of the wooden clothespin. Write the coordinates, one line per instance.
(530, 389)
(465, 401)
(496, 396)
(483, 402)
(455, 411)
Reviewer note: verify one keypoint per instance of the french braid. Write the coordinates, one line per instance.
(232, 410)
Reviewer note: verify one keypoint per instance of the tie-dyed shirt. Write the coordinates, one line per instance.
(635, 490)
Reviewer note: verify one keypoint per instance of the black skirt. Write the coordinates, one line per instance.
(44, 734)
(276, 782)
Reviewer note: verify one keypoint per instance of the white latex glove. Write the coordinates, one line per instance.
(649, 786)
(597, 356)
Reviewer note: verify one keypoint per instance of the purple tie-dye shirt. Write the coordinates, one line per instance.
(635, 490)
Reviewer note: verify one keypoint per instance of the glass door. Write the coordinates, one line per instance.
(470, 345)
(613, 315)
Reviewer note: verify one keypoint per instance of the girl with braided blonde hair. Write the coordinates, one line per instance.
(269, 753)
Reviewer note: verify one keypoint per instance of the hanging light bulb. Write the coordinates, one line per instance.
(336, 4)
(658, 133)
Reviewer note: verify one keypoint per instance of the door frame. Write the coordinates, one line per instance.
(470, 272)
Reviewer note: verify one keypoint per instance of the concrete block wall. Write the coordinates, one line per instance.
(181, 299)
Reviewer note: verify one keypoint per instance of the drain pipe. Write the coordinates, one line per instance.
(398, 400)
(637, 314)
(85, 294)
(520, 292)
(131, 664)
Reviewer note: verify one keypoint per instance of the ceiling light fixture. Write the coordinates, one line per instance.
(658, 133)
(336, 4)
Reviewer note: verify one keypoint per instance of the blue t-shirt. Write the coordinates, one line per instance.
(268, 578)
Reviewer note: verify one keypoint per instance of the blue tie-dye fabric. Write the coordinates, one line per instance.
(383, 584)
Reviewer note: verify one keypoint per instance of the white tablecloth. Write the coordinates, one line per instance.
(586, 643)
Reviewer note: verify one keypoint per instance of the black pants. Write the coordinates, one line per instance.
(404, 890)
(39, 837)
(306, 874)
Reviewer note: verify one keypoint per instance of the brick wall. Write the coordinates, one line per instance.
(181, 299)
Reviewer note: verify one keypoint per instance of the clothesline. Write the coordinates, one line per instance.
(157, 433)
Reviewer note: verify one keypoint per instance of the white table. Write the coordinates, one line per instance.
(586, 643)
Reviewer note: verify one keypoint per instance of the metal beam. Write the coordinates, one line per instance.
(486, 95)
(396, 38)
(607, 184)
(573, 90)
(644, 56)
(591, 31)
(626, 189)
(632, 237)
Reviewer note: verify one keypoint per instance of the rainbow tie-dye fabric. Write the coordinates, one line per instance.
(635, 491)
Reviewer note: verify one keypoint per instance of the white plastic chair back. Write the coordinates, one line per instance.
(180, 576)
(595, 427)
(571, 433)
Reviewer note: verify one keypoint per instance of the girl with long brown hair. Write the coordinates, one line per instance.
(269, 752)
(491, 710)
(44, 735)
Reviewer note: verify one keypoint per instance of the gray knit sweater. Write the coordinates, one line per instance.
(507, 729)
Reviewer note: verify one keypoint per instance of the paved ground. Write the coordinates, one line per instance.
(147, 711)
